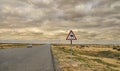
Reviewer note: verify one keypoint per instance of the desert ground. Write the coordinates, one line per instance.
(15, 45)
(84, 57)
(87, 57)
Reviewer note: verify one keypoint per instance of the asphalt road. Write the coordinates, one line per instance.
(37, 58)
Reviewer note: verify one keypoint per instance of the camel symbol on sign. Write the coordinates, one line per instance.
(71, 36)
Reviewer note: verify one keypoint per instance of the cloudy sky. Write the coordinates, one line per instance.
(52, 19)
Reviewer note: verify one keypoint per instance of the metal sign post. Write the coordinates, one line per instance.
(71, 36)
(71, 46)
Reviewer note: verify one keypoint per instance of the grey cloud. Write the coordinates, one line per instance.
(97, 16)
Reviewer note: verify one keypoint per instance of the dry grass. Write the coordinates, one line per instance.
(14, 45)
(87, 57)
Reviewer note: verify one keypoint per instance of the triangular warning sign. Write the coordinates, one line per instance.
(71, 36)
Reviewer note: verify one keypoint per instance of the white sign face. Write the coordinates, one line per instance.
(71, 36)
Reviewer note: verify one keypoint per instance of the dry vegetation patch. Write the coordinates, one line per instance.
(87, 57)
(14, 45)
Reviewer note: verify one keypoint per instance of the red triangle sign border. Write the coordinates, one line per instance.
(69, 35)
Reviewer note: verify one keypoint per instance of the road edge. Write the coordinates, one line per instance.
(54, 61)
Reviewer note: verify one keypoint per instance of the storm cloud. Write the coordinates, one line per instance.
(52, 19)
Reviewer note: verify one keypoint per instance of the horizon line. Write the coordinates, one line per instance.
(62, 41)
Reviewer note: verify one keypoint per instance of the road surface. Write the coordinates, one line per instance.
(37, 58)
